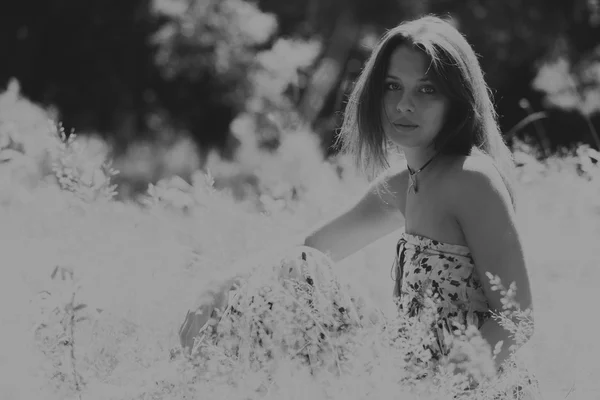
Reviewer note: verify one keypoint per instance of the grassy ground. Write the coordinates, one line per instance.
(139, 269)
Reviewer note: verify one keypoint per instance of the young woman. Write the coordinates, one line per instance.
(422, 91)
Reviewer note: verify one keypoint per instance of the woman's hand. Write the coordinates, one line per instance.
(213, 299)
(216, 296)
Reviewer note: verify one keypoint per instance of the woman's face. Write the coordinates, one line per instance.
(414, 109)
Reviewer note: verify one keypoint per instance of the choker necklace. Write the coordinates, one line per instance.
(414, 185)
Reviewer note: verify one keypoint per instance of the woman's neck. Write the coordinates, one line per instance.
(416, 158)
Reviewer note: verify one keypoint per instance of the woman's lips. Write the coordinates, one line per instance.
(406, 127)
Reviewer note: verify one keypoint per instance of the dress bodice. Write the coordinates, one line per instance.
(428, 269)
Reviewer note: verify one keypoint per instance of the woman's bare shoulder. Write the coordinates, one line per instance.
(396, 177)
(480, 167)
(392, 185)
(474, 178)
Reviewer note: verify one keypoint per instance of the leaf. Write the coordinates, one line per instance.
(66, 272)
(79, 307)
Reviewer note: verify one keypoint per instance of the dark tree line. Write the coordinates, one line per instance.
(133, 69)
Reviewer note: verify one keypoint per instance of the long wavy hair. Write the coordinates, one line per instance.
(471, 122)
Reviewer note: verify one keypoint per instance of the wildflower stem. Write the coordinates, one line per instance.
(72, 345)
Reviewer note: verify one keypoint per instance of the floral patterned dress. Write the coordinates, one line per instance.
(445, 273)
(443, 276)
(285, 301)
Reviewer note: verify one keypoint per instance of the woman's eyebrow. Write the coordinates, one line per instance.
(424, 78)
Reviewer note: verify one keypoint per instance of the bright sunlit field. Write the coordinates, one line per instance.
(94, 291)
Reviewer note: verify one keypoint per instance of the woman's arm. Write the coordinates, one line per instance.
(372, 217)
(376, 214)
(485, 214)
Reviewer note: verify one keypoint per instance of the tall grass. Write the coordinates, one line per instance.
(94, 290)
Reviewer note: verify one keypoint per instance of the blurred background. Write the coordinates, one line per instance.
(188, 96)
(169, 87)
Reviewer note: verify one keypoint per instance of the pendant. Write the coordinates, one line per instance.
(413, 175)
(413, 185)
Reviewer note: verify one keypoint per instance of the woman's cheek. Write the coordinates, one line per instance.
(436, 110)
(388, 109)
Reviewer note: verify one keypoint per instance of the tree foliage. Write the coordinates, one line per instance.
(515, 39)
(205, 52)
(153, 69)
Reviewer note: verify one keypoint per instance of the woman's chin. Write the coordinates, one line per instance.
(403, 141)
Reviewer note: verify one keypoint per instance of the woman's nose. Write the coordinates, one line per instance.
(405, 104)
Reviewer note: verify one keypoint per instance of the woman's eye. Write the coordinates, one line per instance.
(428, 89)
(392, 86)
